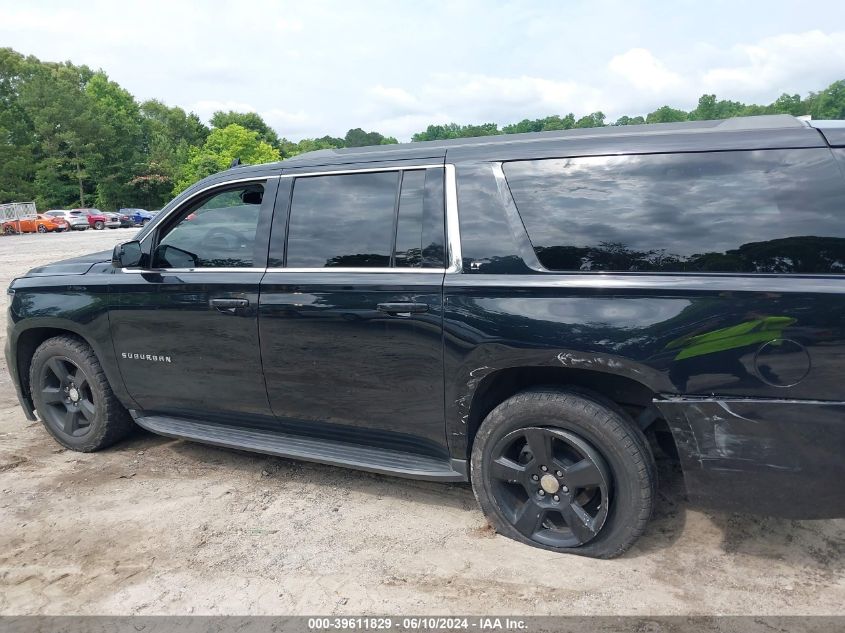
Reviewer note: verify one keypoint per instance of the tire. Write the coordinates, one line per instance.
(88, 416)
(145, 221)
(99, 225)
(42, 228)
(584, 440)
(9, 230)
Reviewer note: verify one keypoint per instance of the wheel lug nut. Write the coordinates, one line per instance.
(542, 493)
(559, 473)
(556, 498)
(543, 468)
(565, 489)
(535, 477)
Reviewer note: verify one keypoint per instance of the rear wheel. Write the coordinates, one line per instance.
(145, 221)
(42, 228)
(73, 398)
(564, 471)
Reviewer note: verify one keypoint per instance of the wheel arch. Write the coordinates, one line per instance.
(633, 396)
(28, 340)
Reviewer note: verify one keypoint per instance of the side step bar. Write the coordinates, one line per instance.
(372, 459)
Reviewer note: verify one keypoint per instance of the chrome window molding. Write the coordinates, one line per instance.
(453, 227)
(453, 236)
(340, 269)
(363, 170)
(161, 271)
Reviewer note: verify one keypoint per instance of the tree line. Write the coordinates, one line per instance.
(70, 136)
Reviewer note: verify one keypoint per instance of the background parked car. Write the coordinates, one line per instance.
(99, 220)
(40, 223)
(75, 220)
(117, 220)
(139, 217)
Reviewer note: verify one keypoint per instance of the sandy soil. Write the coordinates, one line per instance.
(157, 526)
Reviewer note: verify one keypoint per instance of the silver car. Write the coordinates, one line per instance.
(75, 220)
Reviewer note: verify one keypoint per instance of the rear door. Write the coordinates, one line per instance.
(350, 312)
(185, 328)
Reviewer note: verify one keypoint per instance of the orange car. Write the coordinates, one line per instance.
(34, 223)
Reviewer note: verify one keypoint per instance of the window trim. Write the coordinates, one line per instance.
(453, 243)
(453, 235)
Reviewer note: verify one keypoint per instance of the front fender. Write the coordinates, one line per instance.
(43, 307)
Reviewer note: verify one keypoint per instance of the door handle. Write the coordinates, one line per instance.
(228, 305)
(403, 308)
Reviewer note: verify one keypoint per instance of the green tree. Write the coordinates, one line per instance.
(829, 103)
(68, 130)
(627, 120)
(120, 142)
(222, 146)
(596, 119)
(711, 108)
(546, 124)
(18, 146)
(249, 120)
(787, 104)
(359, 138)
(169, 134)
(666, 115)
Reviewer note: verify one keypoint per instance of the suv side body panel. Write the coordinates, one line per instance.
(745, 443)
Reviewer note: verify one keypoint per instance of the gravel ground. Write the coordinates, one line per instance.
(159, 526)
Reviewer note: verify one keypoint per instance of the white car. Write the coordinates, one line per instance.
(75, 219)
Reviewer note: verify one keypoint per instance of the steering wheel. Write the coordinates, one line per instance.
(223, 238)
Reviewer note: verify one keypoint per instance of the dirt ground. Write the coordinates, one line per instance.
(158, 526)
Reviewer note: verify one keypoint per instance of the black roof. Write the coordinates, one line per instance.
(778, 125)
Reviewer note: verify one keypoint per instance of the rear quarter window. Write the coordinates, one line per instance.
(772, 211)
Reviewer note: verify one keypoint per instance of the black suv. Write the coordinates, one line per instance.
(534, 313)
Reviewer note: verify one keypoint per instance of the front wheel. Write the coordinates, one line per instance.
(564, 471)
(99, 225)
(73, 398)
(42, 228)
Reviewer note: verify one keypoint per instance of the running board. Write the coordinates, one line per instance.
(376, 460)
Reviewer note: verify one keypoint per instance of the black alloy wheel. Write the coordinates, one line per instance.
(552, 485)
(564, 469)
(73, 397)
(70, 402)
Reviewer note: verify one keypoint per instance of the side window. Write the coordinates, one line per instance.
(218, 232)
(365, 220)
(410, 222)
(772, 211)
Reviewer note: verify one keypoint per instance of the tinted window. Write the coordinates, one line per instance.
(409, 226)
(217, 233)
(344, 220)
(754, 212)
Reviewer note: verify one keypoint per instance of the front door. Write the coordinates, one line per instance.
(185, 327)
(350, 314)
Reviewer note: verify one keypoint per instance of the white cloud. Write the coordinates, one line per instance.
(321, 68)
(775, 62)
(644, 71)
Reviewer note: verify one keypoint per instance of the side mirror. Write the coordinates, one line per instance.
(126, 255)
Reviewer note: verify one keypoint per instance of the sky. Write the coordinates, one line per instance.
(312, 68)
